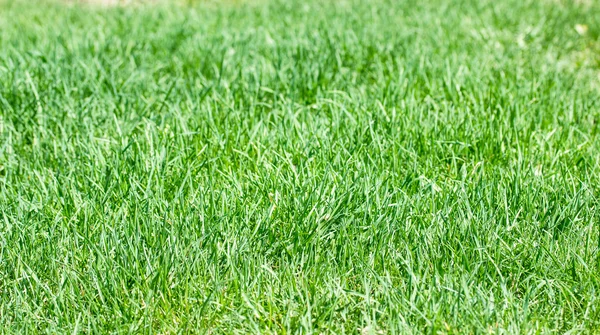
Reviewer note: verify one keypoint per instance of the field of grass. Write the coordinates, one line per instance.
(318, 166)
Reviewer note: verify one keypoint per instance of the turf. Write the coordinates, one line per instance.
(360, 167)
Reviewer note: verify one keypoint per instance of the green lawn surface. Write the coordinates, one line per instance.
(300, 167)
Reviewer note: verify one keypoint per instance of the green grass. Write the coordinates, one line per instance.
(360, 167)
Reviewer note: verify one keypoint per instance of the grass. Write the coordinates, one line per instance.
(360, 167)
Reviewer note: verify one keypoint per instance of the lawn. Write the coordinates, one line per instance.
(298, 167)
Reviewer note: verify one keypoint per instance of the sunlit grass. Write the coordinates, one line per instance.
(322, 167)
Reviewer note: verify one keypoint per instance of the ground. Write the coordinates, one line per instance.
(327, 167)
